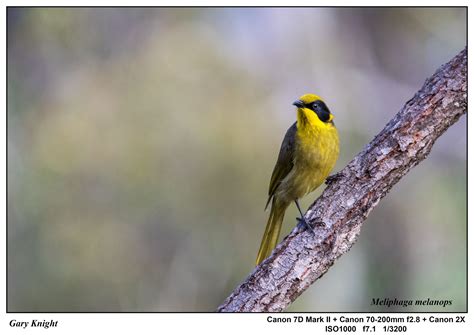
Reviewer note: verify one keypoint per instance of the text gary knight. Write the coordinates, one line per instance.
(33, 323)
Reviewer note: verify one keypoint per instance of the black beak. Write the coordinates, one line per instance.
(299, 103)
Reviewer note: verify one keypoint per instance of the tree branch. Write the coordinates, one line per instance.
(302, 257)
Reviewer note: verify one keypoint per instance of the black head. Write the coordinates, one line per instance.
(317, 106)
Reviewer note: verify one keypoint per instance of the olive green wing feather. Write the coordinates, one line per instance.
(284, 162)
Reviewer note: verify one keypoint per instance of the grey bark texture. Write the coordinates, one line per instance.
(303, 257)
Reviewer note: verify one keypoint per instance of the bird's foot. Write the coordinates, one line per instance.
(333, 178)
(303, 224)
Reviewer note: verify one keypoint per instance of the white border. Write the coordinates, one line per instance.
(188, 322)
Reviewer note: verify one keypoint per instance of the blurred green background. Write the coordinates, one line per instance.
(141, 143)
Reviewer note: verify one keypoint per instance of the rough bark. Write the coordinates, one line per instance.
(302, 257)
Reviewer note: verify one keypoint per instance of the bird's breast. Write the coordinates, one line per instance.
(317, 150)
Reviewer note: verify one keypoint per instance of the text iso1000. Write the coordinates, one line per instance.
(344, 329)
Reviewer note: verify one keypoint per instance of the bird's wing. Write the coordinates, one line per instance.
(284, 163)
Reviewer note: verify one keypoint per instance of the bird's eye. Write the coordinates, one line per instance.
(321, 110)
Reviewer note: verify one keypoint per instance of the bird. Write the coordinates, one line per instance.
(308, 153)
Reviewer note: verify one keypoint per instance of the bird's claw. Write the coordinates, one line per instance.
(333, 178)
(303, 224)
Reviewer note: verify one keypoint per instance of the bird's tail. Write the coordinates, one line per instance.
(272, 230)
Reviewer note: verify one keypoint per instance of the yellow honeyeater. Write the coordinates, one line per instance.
(308, 153)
